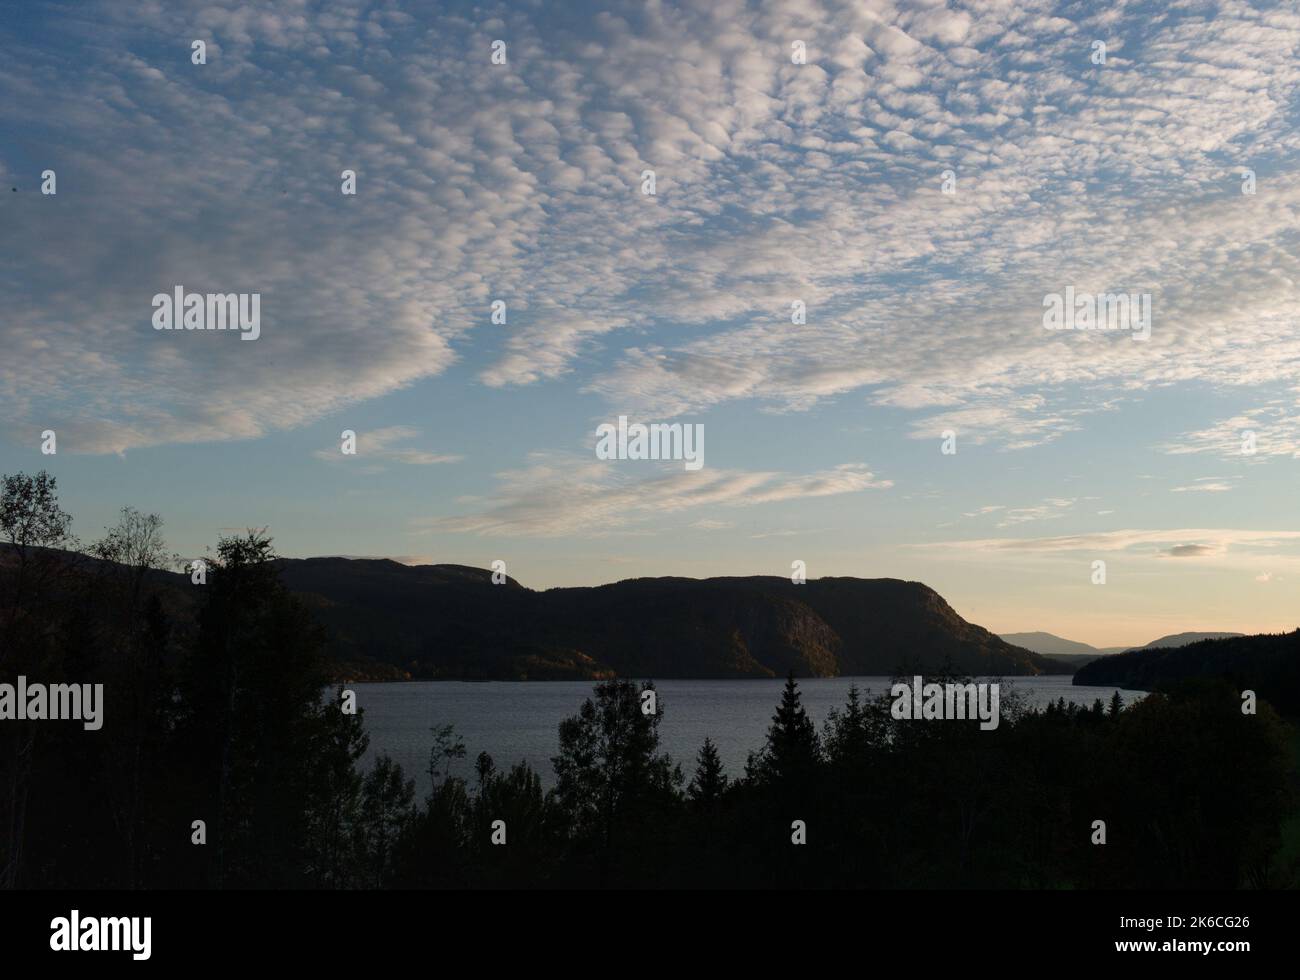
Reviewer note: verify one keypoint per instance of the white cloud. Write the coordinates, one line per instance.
(1204, 484)
(378, 445)
(1222, 548)
(559, 495)
(776, 181)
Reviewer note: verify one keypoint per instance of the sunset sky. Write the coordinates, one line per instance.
(776, 182)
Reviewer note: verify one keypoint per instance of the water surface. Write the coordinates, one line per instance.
(514, 721)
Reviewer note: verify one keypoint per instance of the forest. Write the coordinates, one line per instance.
(225, 761)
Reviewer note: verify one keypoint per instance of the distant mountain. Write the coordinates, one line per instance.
(1069, 652)
(1073, 660)
(450, 621)
(1051, 645)
(1077, 654)
(1183, 639)
(1268, 664)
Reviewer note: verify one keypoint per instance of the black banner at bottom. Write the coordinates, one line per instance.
(359, 930)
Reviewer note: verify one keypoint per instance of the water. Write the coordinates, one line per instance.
(515, 721)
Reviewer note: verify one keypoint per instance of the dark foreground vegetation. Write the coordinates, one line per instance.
(224, 722)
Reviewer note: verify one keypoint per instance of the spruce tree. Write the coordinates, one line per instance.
(710, 782)
(793, 749)
(1116, 705)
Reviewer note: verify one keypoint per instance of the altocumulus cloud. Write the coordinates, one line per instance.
(818, 182)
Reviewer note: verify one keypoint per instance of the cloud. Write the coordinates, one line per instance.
(558, 495)
(1191, 551)
(1204, 484)
(1228, 549)
(1149, 541)
(1051, 508)
(1272, 429)
(775, 182)
(377, 445)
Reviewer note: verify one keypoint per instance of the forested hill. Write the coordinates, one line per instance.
(450, 621)
(1268, 664)
(386, 620)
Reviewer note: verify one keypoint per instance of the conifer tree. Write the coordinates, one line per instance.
(710, 782)
(1116, 705)
(793, 749)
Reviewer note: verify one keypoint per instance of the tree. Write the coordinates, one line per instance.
(447, 747)
(1116, 705)
(387, 809)
(516, 799)
(30, 520)
(709, 782)
(132, 639)
(793, 749)
(334, 793)
(850, 736)
(612, 781)
(30, 515)
(252, 725)
(485, 768)
(133, 547)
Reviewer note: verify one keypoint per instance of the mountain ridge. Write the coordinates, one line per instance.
(668, 626)
(385, 620)
(1076, 652)
(1266, 663)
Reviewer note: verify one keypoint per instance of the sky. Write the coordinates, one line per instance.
(921, 180)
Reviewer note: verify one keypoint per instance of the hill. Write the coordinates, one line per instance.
(1268, 664)
(450, 621)
(1051, 645)
(1077, 654)
(1183, 639)
(385, 620)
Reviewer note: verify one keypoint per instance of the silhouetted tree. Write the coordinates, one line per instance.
(253, 715)
(530, 823)
(447, 748)
(334, 794)
(709, 781)
(31, 521)
(485, 768)
(612, 782)
(793, 749)
(387, 810)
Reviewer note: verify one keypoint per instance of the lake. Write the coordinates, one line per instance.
(514, 721)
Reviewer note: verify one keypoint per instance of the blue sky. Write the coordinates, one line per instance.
(820, 182)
